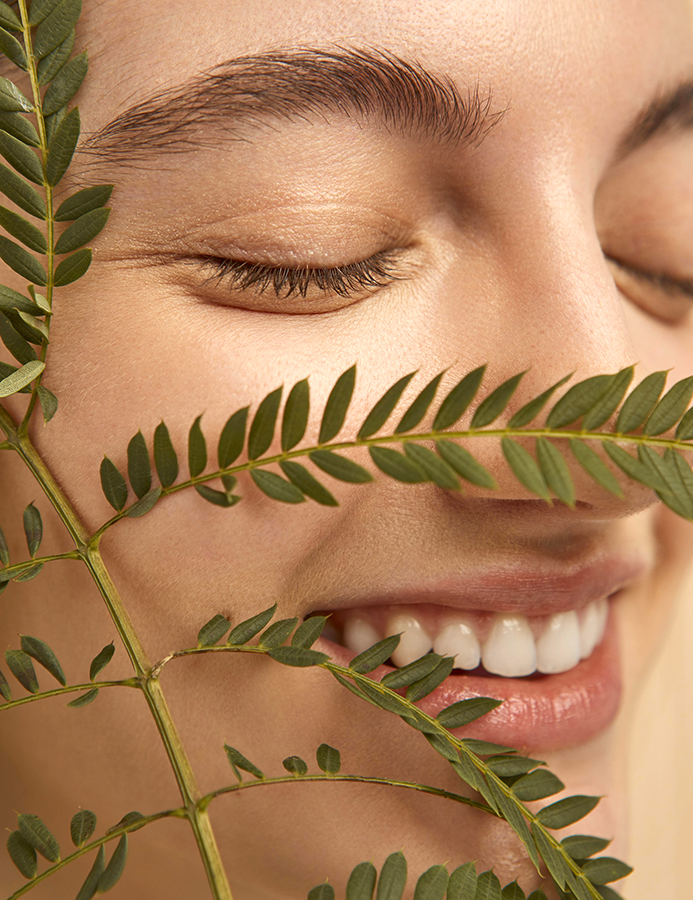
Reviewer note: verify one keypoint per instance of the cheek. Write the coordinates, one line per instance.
(657, 345)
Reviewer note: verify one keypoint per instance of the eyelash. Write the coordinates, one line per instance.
(665, 283)
(287, 281)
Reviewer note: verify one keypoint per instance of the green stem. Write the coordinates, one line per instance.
(70, 689)
(8, 572)
(297, 779)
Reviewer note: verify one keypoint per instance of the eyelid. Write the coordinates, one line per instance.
(666, 283)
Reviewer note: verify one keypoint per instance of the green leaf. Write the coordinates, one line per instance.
(537, 895)
(22, 854)
(83, 202)
(213, 631)
(277, 633)
(115, 867)
(635, 468)
(139, 468)
(496, 402)
(375, 656)
(670, 408)
(676, 496)
(165, 459)
(232, 438)
(22, 158)
(84, 699)
(82, 827)
(295, 417)
(323, 891)
(12, 300)
(640, 402)
(507, 766)
(12, 49)
(197, 449)
(307, 483)
(21, 193)
(36, 833)
(581, 846)
(24, 231)
(604, 408)
(52, 124)
(605, 869)
(276, 487)
(113, 484)
(396, 465)
(566, 811)
(442, 746)
(42, 653)
(468, 772)
(531, 410)
(30, 573)
(434, 468)
(39, 9)
(525, 468)
(101, 660)
(412, 672)
(608, 894)
(20, 127)
(464, 463)
(537, 785)
(238, 761)
(513, 892)
(51, 64)
(488, 887)
(23, 670)
(419, 407)
(553, 859)
(62, 147)
(393, 877)
(72, 268)
(340, 467)
(391, 703)
(295, 765)
(486, 748)
(578, 400)
(49, 403)
(88, 889)
(298, 656)
(555, 471)
(337, 405)
(145, 504)
(66, 83)
(22, 377)
(510, 812)
(361, 883)
(262, 427)
(9, 18)
(22, 261)
(246, 630)
(684, 432)
(5, 689)
(12, 99)
(309, 631)
(380, 413)
(593, 464)
(432, 884)
(216, 497)
(462, 883)
(4, 551)
(458, 399)
(55, 28)
(82, 231)
(465, 711)
(429, 683)
(33, 329)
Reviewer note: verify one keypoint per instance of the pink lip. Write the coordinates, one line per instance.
(543, 712)
(514, 588)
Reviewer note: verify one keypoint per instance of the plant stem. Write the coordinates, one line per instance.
(70, 689)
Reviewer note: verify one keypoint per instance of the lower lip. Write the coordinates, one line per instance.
(547, 712)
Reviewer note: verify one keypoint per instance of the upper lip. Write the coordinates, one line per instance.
(515, 587)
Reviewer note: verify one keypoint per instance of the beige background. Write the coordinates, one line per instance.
(661, 774)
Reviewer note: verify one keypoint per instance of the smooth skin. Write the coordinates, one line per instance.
(503, 261)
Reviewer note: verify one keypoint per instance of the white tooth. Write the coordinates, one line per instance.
(558, 649)
(603, 612)
(414, 641)
(359, 635)
(509, 649)
(459, 640)
(589, 630)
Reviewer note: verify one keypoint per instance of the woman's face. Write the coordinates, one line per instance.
(530, 238)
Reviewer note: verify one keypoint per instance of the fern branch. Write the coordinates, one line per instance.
(70, 689)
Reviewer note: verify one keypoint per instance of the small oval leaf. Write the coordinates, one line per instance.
(419, 407)
(640, 402)
(82, 827)
(321, 892)
(582, 846)
(51, 64)
(67, 82)
(434, 468)
(670, 408)
(216, 498)
(23, 159)
(84, 699)
(465, 465)
(594, 465)
(295, 418)
(232, 438)
(82, 231)
(21, 193)
(44, 656)
(307, 483)
(340, 467)
(62, 147)
(13, 50)
(309, 631)
(238, 761)
(393, 877)
(525, 468)
(22, 854)
(465, 711)
(537, 785)
(33, 528)
(496, 402)
(565, 812)
(605, 869)
(329, 759)
(23, 670)
(396, 465)
(144, 504)
(55, 28)
(295, 765)
(337, 405)
(278, 632)
(20, 127)
(72, 268)
(139, 467)
(578, 400)
(462, 883)
(213, 631)
(555, 471)
(299, 657)
(88, 889)
(36, 833)
(83, 202)
(604, 408)
(113, 484)
(380, 413)
(276, 487)
(197, 449)
(246, 630)
(458, 399)
(262, 427)
(22, 261)
(101, 660)
(375, 656)
(432, 885)
(165, 459)
(114, 869)
(361, 883)
(24, 231)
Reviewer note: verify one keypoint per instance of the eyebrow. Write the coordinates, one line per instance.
(289, 85)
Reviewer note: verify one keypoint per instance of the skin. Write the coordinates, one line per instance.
(505, 264)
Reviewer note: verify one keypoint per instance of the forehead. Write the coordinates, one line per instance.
(562, 55)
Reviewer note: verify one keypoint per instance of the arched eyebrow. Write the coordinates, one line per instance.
(669, 111)
(286, 85)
